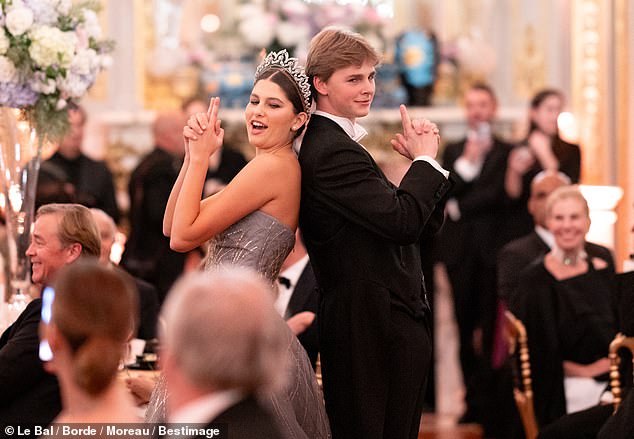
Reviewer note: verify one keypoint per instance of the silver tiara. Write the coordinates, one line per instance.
(291, 66)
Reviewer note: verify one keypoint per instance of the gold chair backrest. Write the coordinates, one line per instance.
(523, 390)
(619, 342)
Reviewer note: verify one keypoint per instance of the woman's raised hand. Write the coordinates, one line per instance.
(203, 133)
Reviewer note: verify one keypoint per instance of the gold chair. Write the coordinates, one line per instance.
(522, 389)
(619, 342)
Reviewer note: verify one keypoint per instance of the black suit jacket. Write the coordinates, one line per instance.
(359, 228)
(481, 202)
(305, 297)
(515, 256)
(29, 394)
(246, 420)
(148, 254)
(148, 309)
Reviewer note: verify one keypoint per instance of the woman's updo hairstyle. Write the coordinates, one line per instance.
(95, 308)
(285, 71)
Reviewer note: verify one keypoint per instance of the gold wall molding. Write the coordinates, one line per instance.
(601, 73)
(623, 72)
(590, 44)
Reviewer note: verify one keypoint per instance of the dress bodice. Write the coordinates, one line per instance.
(258, 241)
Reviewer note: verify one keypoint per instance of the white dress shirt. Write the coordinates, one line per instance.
(292, 273)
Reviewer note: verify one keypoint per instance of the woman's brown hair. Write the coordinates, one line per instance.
(94, 309)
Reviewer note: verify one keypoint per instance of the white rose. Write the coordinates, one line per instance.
(50, 45)
(4, 43)
(19, 20)
(73, 86)
(8, 72)
(91, 24)
(46, 86)
(84, 62)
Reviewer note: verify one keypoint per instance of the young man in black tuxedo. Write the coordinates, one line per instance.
(361, 233)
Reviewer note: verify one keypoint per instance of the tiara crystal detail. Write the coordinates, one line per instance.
(291, 66)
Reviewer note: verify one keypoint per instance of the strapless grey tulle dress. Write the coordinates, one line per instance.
(261, 242)
(258, 241)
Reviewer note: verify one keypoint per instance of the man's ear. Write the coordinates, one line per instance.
(320, 86)
(74, 252)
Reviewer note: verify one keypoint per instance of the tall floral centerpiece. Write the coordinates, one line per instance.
(50, 54)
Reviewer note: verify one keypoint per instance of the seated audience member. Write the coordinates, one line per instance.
(598, 420)
(148, 297)
(222, 347)
(92, 317)
(565, 300)
(298, 298)
(62, 234)
(298, 406)
(518, 254)
(70, 175)
(621, 424)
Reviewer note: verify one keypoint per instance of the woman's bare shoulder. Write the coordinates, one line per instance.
(280, 166)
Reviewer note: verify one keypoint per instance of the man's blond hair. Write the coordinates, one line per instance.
(335, 48)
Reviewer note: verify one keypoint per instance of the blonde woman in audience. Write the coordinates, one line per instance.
(565, 300)
(92, 317)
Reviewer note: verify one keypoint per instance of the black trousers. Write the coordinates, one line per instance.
(375, 360)
(475, 301)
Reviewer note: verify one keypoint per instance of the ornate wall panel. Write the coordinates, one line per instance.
(624, 122)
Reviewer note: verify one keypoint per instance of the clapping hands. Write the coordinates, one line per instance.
(203, 134)
(420, 137)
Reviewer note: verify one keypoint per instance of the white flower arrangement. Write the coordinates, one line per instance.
(50, 54)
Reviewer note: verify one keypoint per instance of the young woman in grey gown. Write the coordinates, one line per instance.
(252, 221)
